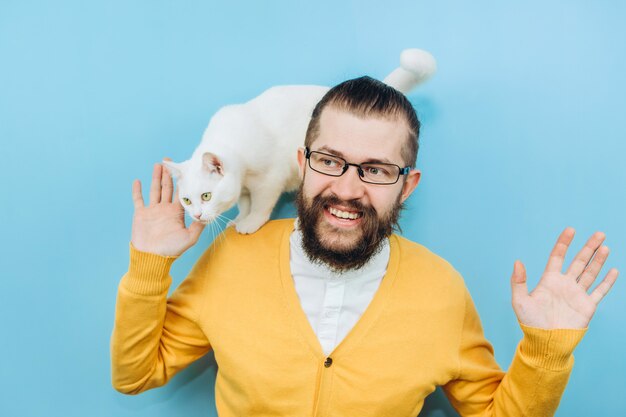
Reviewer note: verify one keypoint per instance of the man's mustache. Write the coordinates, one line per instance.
(352, 205)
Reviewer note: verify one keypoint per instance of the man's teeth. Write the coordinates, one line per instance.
(343, 214)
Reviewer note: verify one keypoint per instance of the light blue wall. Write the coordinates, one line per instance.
(523, 135)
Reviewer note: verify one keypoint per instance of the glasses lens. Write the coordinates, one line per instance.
(380, 173)
(327, 164)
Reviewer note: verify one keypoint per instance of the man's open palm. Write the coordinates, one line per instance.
(159, 228)
(562, 300)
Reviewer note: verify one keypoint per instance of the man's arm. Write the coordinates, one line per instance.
(534, 382)
(553, 317)
(153, 338)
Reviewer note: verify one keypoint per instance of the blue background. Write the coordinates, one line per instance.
(523, 135)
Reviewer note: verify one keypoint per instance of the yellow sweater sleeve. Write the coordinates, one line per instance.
(532, 386)
(153, 337)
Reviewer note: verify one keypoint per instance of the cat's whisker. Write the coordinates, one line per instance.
(216, 232)
(222, 223)
(217, 223)
(225, 220)
(219, 228)
(222, 216)
(211, 231)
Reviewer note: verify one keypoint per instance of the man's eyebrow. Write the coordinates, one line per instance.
(367, 161)
(331, 151)
(378, 161)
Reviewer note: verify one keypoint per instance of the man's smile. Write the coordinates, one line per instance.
(344, 214)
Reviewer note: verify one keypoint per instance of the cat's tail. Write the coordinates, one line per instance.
(416, 66)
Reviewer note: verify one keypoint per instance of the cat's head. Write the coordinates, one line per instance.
(206, 188)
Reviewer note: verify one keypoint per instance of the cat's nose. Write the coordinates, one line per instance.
(197, 216)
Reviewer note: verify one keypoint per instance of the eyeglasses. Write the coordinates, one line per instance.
(371, 173)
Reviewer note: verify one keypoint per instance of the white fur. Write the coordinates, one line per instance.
(416, 66)
(247, 155)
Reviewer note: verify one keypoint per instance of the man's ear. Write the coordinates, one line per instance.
(412, 179)
(301, 161)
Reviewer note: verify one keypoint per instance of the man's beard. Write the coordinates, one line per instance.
(373, 231)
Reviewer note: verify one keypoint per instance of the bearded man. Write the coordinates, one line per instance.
(333, 314)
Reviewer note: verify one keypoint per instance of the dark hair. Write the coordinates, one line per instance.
(366, 97)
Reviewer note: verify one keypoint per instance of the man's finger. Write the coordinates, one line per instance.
(177, 201)
(591, 272)
(137, 197)
(195, 230)
(155, 186)
(557, 256)
(604, 287)
(168, 186)
(519, 288)
(179, 206)
(582, 258)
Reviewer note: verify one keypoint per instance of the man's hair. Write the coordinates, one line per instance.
(367, 97)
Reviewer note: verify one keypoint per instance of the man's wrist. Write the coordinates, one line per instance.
(148, 273)
(549, 348)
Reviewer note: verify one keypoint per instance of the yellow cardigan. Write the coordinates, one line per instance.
(420, 331)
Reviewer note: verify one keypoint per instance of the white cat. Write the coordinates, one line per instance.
(248, 151)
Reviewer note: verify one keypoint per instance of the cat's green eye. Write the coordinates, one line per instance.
(206, 196)
(187, 201)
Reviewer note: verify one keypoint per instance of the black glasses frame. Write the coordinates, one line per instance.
(346, 165)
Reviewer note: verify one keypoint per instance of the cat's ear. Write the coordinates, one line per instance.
(212, 163)
(175, 169)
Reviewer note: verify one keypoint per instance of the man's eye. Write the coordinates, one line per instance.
(377, 171)
(329, 162)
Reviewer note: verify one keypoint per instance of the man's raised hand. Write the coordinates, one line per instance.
(564, 300)
(159, 227)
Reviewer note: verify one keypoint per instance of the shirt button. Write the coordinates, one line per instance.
(328, 362)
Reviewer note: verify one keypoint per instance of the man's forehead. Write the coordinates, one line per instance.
(359, 136)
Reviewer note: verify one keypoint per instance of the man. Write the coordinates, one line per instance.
(335, 315)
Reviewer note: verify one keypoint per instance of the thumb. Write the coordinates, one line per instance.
(194, 231)
(519, 289)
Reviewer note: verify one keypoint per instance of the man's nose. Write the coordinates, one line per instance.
(349, 186)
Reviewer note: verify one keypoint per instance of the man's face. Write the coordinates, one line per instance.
(343, 219)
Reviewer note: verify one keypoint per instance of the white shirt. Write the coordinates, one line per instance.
(334, 302)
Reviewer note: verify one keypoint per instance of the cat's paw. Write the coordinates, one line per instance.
(249, 225)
